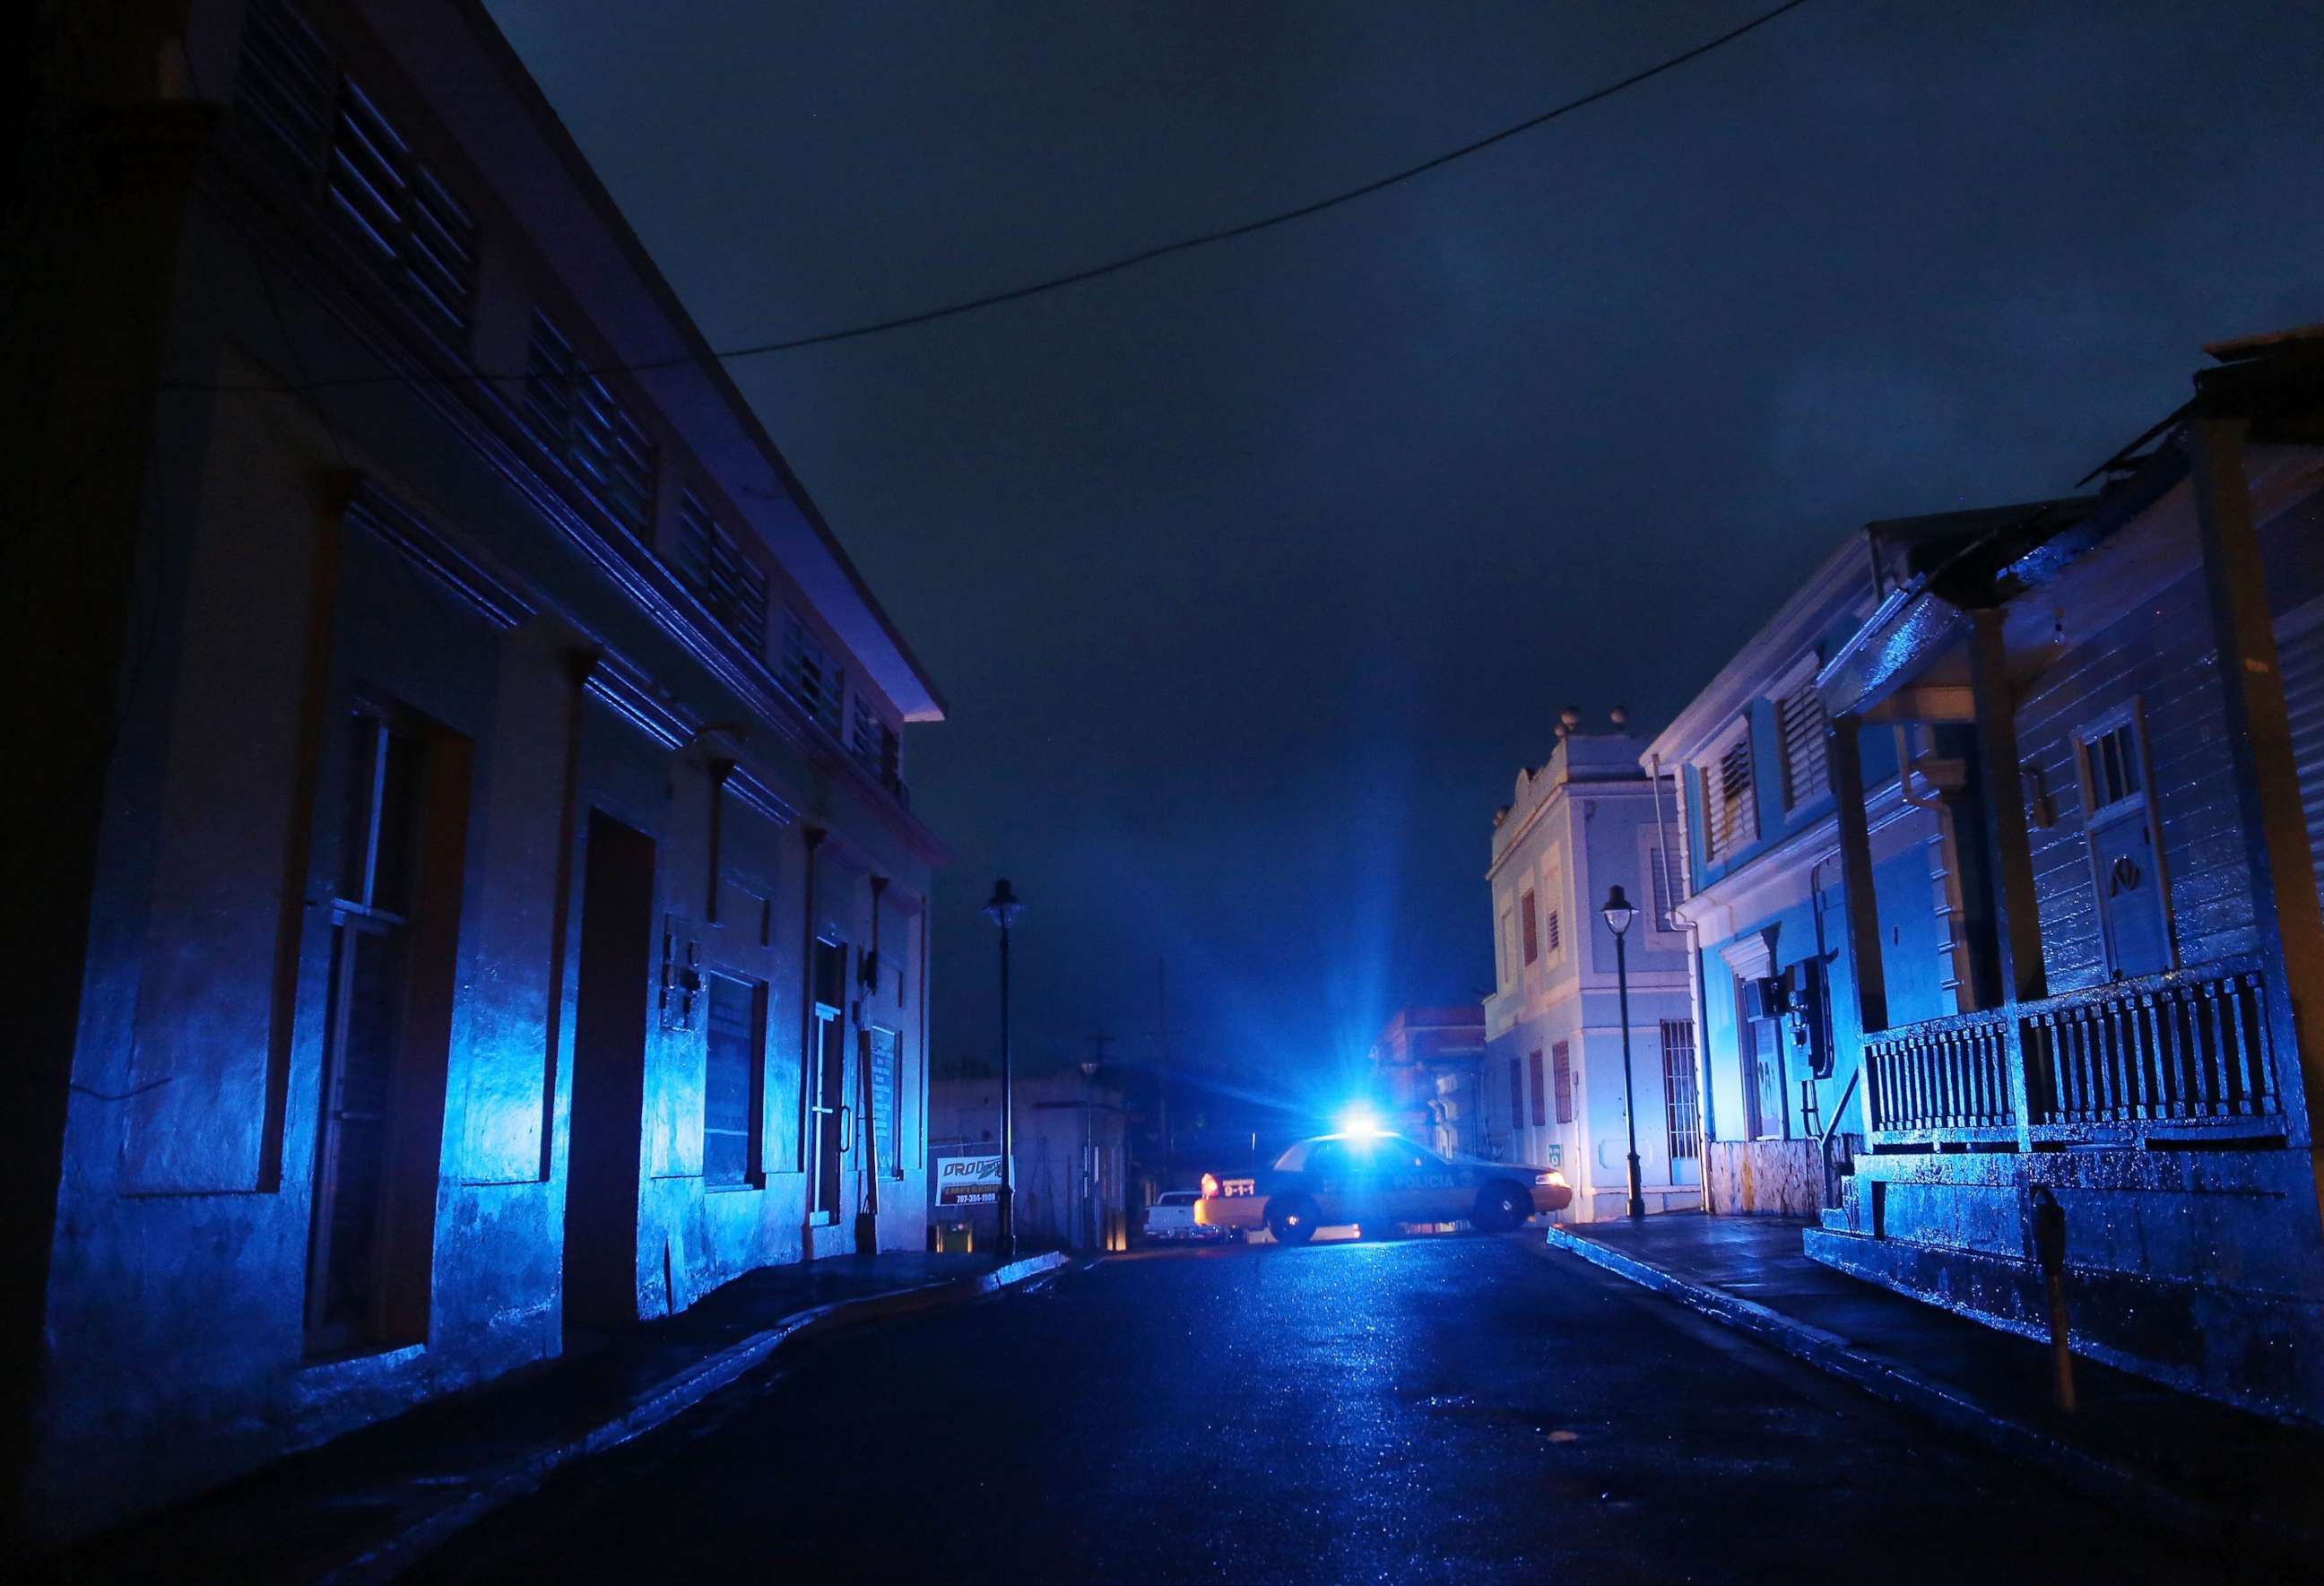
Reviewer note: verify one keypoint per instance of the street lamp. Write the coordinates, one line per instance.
(1089, 1159)
(1002, 910)
(1618, 913)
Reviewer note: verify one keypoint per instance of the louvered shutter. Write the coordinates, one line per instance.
(1730, 812)
(283, 83)
(1806, 770)
(730, 584)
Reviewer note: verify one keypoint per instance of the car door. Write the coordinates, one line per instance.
(1331, 1180)
(1434, 1190)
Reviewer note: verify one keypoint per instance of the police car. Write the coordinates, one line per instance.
(1375, 1181)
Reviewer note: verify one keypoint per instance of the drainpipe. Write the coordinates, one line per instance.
(1694, 976)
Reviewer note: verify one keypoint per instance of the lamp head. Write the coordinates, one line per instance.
(1619, 911)
(1002, 907)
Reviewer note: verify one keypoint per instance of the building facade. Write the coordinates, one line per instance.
(1072, 1187)
(482, 905)
(1428, 1065)
(2117, 702)
(1554, 1087)
(1755, 823)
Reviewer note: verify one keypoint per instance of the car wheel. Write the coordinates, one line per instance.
(1292, 1220)
(1500, 1207)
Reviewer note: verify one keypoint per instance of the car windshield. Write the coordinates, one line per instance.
(1366, 1149)
(1178, 1198)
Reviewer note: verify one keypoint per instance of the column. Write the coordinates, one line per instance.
(2259, 744)
(2017, 927)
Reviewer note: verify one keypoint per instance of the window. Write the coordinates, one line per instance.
(826, 1058)
(1759, 1049)
(387, 1037)
(810, 674)
(1540, 1099)
(876, 745)
(2113, 762)
(731, 1104)
(297, 100)
(1553, 889)
(1658, 883)
(284, 81)
(2126, 850)
(883, 1054)
(1730, 819)
(1517, 1095)
(1681, 1103)
(1532, 930)
(730, 584)
(1800, 723)
(587, 426)
(1561, 1069)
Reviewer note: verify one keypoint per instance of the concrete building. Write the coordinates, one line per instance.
(1071, 1181)
(1756, 827)
(2117, 703)
(1428, 1064)
(1554, 1090)
(476, 902)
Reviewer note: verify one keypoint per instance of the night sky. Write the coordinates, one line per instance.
(1253, 576)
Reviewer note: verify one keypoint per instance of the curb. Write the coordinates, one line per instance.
(420, 1533)
(2126, 1485)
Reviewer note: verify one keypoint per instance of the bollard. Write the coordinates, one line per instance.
(2050, 1252)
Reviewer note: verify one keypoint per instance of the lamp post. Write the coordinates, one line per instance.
(1089, 1159)
(1619, 914)
(1002, 910)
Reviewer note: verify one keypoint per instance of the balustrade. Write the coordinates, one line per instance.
(2186, 1049)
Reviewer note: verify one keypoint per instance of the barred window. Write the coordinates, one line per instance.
(811, 675)
(1560, 1074)
(1682, 1103)
(1800, 721)
(587, 426)
(731, 584)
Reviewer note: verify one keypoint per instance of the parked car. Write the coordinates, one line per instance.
(1172, 1219)
(1379, 1181)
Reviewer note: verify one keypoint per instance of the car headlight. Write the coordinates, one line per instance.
(1551, 1177)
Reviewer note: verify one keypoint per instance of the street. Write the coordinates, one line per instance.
(1463, 1408)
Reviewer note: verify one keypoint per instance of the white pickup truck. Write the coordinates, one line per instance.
(1172, 1219)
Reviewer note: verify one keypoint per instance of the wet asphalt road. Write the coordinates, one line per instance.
(1449, 1409)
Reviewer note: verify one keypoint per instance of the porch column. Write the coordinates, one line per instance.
(1865, 964)
(2259, 744)
(2017, 933)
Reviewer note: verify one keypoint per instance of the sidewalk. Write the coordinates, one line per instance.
(2216, 1472)
(367, 1505)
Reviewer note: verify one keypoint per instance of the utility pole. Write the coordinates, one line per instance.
(1162, 1066)
(1089, 1066)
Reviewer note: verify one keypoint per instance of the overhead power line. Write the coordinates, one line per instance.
(1183, 245)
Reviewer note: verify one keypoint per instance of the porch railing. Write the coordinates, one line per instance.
(1947, 1077)
(2184, 1051)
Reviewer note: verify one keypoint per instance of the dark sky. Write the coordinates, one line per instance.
(1253, 576)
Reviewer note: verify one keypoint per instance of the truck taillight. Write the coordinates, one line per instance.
(1210, 1187)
